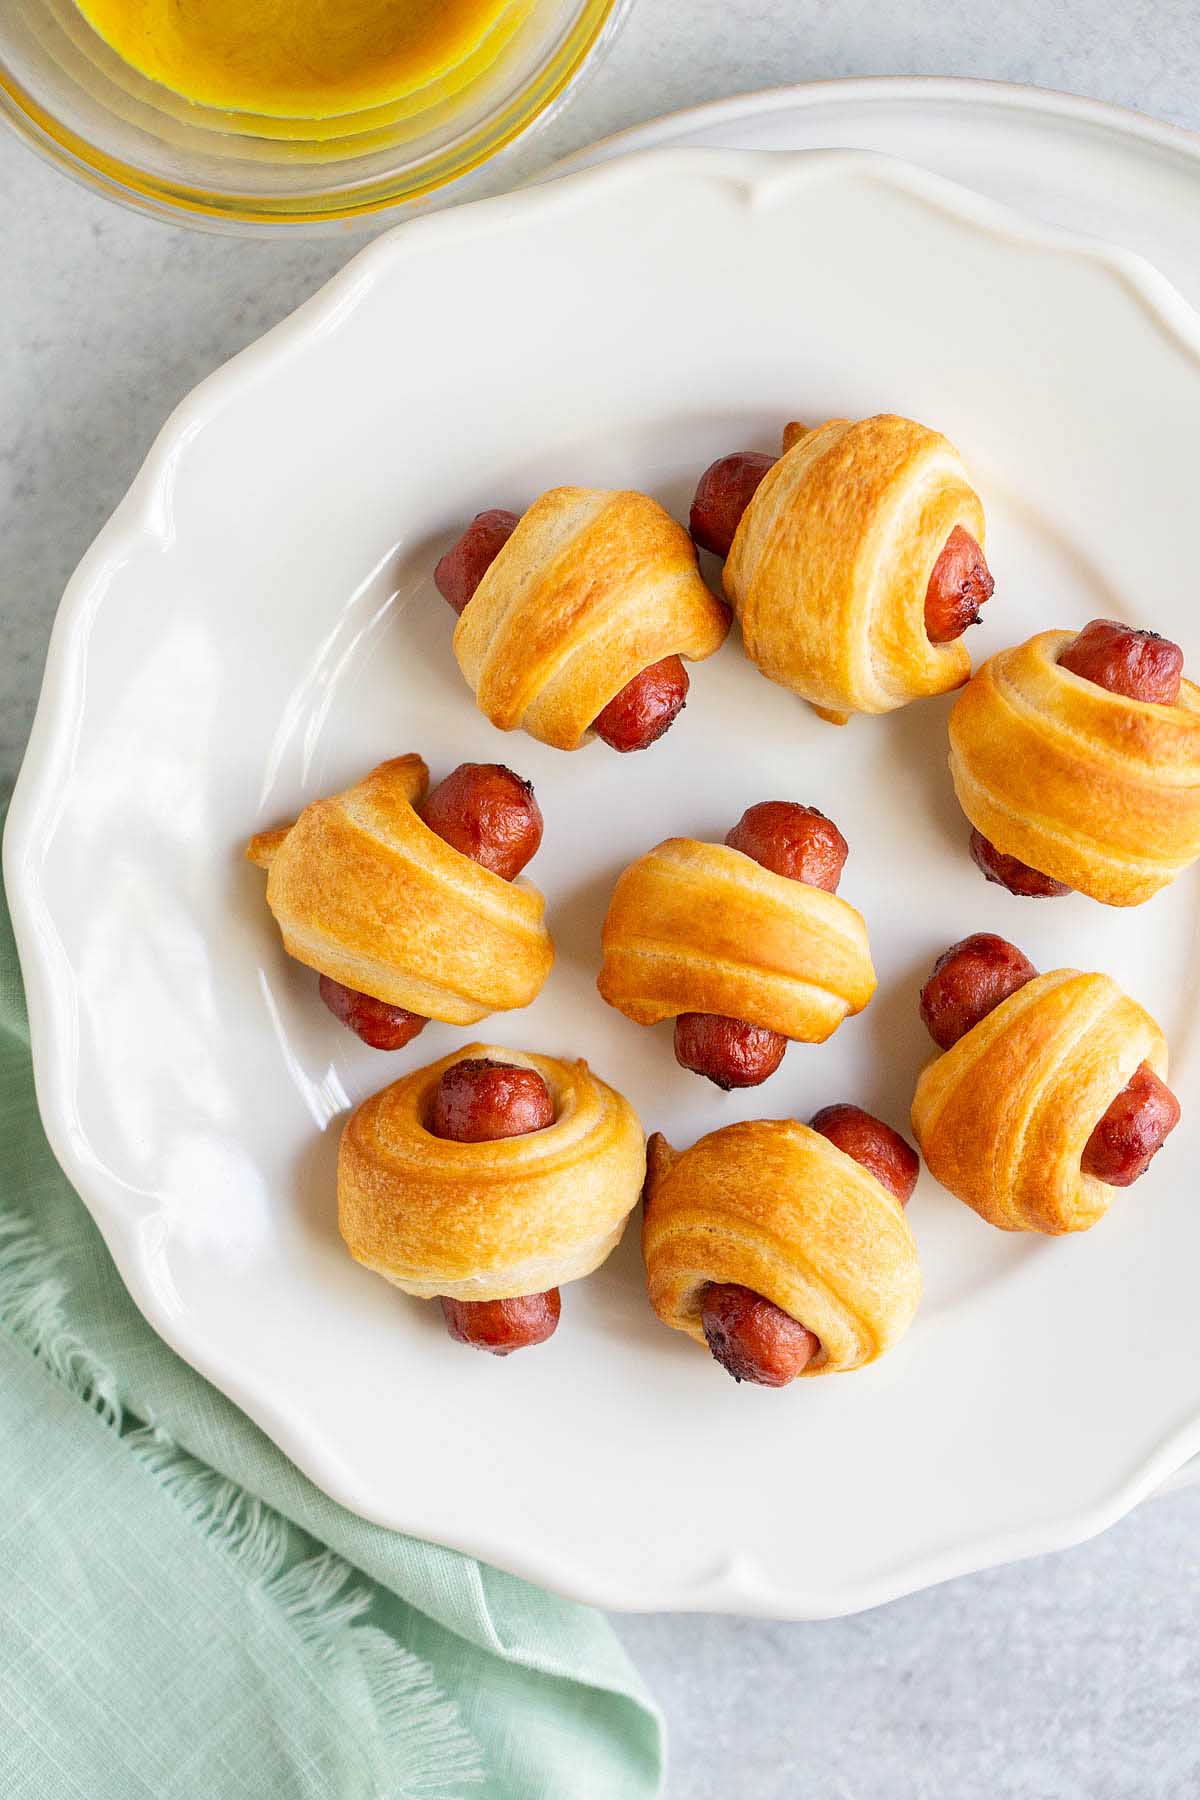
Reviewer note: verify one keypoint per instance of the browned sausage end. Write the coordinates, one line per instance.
(381, 1026)
(466, 563)
(1141, 665)
(722, 495)
(646, 707)
(479, 1100)
(959, 586)
(1133, 1130)
(488, 813)
(968, 981)
(889, 1157)
(752, 1338)
(792, 840)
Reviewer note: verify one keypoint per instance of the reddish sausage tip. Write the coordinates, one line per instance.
(645, 708)
(958, 586)
(382, 1026)
(489, 814)
(503, 1326)
(1011, 873)
(732, 1053)
(466, 563)
(723, 493)
(798, 842)
(968, 981)
(1132, 1131)
(478, 1101)
(752, 1338)
(971, 979)
(892, 1161)
(1141, 665)
(792, 840)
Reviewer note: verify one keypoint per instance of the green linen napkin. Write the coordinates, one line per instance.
(183, 1616)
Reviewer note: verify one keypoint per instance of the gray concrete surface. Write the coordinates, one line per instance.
(1072, 1678)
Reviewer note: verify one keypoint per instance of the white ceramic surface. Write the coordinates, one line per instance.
(1065, 159)
(257, 623)
(1070, 161)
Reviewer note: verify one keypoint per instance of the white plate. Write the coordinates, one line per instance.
(257, 624)
(1070, 161)
(1067, 160)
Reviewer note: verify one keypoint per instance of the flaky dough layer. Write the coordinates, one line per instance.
(593, 586)
(1092, 788)
(829, 566)
(777, 1208)
(491, 1220)
(1002, 1118)
(367, 894)
(696, 927)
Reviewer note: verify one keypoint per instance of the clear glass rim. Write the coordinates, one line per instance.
(183, 203)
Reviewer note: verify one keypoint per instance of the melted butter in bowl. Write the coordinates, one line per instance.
(303, 59)
(240, 114)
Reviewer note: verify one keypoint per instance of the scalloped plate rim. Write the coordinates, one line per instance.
(741, 1583)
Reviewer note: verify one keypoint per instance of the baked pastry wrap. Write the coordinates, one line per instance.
(830, 562)
(593, 586)
(1087, 786)
(696, 927)
(366, 893)
(777, 1208)
(488, 1221)
(1003, 1116)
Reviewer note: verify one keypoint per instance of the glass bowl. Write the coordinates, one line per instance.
(93, 115)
